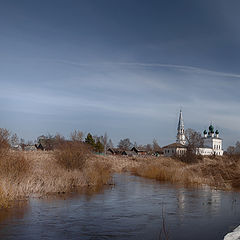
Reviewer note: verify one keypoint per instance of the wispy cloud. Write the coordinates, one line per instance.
(185, 68)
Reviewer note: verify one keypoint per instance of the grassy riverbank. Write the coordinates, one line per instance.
(26, 174)
(219, 172)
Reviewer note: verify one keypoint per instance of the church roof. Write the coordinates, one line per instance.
(175, 145)
(180, 121)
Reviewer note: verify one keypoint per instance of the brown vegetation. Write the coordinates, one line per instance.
(218, 172)
(13, 166)
(40, 173)
(26, 174)
(72, 155)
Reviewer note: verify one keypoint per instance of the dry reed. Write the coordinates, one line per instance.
(72, 155)
(26, 174)
(219, 172)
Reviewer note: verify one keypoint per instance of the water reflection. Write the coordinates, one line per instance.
(130, 210)
(17, 211)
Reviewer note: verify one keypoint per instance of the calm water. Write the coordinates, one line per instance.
(130, 210)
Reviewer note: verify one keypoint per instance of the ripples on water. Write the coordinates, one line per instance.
(130, 210)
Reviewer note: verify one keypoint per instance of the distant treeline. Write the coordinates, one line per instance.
(98, 144)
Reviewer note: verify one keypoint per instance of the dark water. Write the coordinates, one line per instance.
(130, 210)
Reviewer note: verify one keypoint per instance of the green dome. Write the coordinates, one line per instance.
(211, 129)
(205, 132)
(217, 132)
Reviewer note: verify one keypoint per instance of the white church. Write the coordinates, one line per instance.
(212, 144)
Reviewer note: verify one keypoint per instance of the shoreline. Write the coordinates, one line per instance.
(45, 177)
(234, 235)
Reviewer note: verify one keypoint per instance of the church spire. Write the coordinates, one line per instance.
(180, 135)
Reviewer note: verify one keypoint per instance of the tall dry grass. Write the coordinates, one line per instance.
(13, 166)
(72, 155)
(26, 174)
(38, 174)
(219, 172)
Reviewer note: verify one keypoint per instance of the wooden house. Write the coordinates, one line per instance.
(129, 153)
(139, 151)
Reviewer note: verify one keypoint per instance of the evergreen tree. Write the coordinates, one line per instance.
(99, 147)
(89, 140)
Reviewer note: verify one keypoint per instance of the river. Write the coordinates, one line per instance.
(132, 209)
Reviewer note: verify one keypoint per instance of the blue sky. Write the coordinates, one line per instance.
(124, 67)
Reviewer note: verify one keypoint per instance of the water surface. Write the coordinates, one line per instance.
(133, 209)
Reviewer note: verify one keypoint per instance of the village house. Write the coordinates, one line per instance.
(30, 148)
(113, 151)
(139, 151)
(129, 153)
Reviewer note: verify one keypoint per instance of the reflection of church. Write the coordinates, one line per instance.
(212, 144)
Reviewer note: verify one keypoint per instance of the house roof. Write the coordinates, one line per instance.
(138, 149)
(115, 150)
(129, 152)
(175, 145)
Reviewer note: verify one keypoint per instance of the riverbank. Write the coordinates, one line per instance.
(219, 172)
(38, 174)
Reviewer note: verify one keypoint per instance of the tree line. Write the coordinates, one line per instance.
(99, 144)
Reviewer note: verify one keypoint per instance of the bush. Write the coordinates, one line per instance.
(13, 165)
(4, 138)
(72, 155)
(190, 157)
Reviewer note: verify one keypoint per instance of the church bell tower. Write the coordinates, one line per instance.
(181, 135)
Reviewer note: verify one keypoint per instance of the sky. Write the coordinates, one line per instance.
(125, 67)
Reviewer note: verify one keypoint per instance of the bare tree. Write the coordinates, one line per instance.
(125, 144)
(148, 147)
(14, 139)
(155, 145)
(194, 140)
(237, 148)
(135, 144)
(110, 144)
(22, 143)
(77, 135)
(231, 150)
(234, 150)
(4, 138)
(104, 141)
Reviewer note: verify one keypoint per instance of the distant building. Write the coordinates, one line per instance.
(39, 146)
(180, 130)
(17, 147)
(212, 143)
(179, 147)
(129, 153)
(113, 151)
(30, 148)
(139, 151)
(174, 149)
